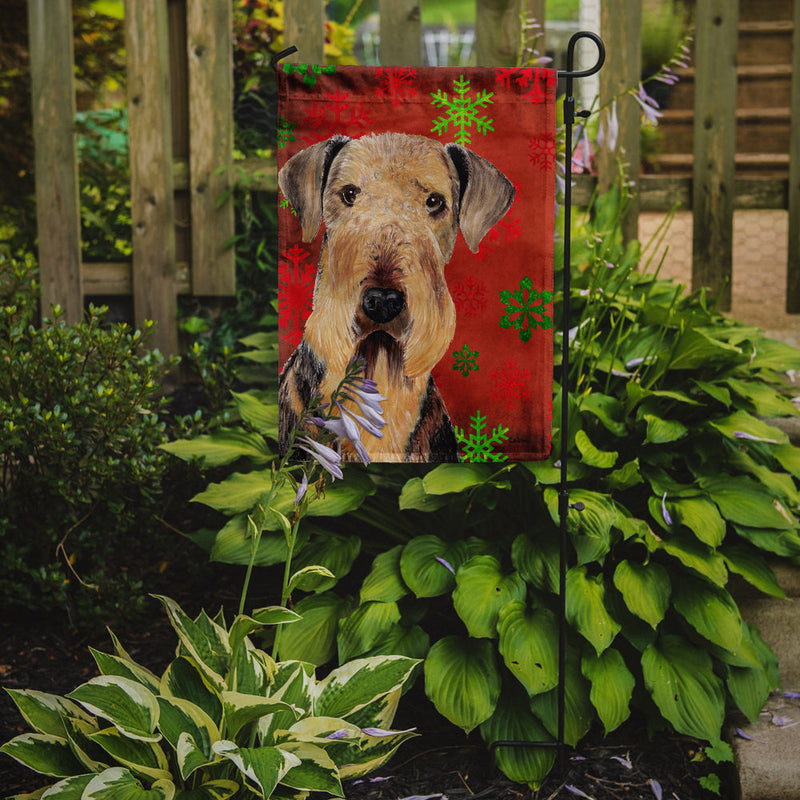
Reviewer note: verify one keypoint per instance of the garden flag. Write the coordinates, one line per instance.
(416, 233)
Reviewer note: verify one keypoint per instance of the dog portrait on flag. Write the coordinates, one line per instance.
(416, 235)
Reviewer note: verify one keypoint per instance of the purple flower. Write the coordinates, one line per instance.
(608, 132)
(624, 761)
(751, 437)
(344, 427)
(342, 733)
(649, 106)
(301, 489)
(664, 512)
(380, 732)
(445, 563)
(655, 786)
(326, 457)
(577, 792)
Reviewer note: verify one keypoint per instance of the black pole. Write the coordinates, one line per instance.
(563, 495)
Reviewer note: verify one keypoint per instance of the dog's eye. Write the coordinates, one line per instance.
(434, 202)
(349, 194)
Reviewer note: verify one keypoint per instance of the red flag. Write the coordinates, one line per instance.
(416, 231)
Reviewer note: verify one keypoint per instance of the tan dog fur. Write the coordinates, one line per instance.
(392, 206)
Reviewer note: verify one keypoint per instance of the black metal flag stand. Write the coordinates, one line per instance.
(564, 506)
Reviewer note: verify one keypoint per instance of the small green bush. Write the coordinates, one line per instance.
(79, 430)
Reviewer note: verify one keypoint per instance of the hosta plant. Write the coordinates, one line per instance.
(224, 720)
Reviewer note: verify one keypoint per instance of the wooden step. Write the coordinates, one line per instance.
(765, 42)
(767, 165)
(754, 10)
(758, 130)
(759, 85)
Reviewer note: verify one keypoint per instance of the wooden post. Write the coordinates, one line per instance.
(497, 32)
(210, 52)
(56, 159)
(152, 202)
(401, 33)
(621, 27)
(535, 10)
(714, 146)
(793, 267)
(304, 27)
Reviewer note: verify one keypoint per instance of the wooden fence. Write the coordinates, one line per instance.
(181, 141)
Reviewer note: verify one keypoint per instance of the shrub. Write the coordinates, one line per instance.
(683, 483)
(79, 430)
(223, 720)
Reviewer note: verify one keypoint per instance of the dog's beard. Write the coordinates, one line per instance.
(381, 346)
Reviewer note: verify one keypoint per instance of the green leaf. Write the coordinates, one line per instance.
(663, 431)
(243, 625)
(234, 545)
(627, 476)
(645, 588)
(207, 644)
(586, 608)
(608, 410)
(365, 628)
(359, 683)
(422, 567)
(741, 422)
(126, 704)
(313, 638)
(237, 493)
(745, 502)
(578, 710)
(261, 416)
(182, 679)
(710, 610)
(385, 581)
(414, 497)
(223, 446)
(753, 567)
(481, 591)
(512, 721)
(691, 553)
(178, 717)
(334, 553)
(782, 543)
(683, 685)
(67, 789)
(612, 687)
(241, 709)
(537, 560)
(264, 766)
(529, 645)
(701, 517)
(593, 457)
(44, 712)
(212, 790)
(695, 349)
(766, 401)
(316, 772)
(117, 783)
(145, 759)
(462, 680)
(400, 640)
(44, 753)
(450, 478)
(125, 668)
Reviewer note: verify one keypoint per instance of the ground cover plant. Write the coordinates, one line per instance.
(683, 483)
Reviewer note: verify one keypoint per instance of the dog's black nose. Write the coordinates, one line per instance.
(383, 305)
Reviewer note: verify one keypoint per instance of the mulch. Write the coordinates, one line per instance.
(45, 654)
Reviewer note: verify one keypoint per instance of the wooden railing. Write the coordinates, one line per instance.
(181, 134)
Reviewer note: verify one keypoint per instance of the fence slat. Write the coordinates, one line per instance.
(56, 164)
(210, 54)
(497, 32)
(401, 33)
(793, 266)
(621, 28)
(152, 201)
(713, 175)
(304, 27)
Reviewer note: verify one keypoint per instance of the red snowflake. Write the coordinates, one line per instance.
(395, 83)
(540, 79)
(511, 385)
(295, 293)
(542, 151)
(338, 114)
(503, 232)
(469, 296)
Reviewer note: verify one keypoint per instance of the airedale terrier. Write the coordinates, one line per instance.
(392, 205)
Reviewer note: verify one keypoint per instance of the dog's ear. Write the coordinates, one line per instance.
(302, 179)
(486, 194)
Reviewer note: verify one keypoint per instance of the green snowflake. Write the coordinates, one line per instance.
(283, 202)
(525, 309)
(309, 72)
(479, 446)
(465, 360)
(284, 131)
(462, 111)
